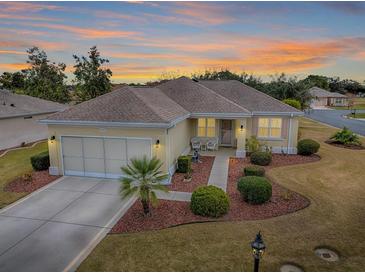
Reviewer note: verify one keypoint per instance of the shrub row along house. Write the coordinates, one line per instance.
(97, 137)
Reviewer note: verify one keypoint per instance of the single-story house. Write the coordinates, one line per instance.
(19, 115)
(324, 98)
(97, 137)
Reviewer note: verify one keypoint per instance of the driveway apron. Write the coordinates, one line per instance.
(55, 228)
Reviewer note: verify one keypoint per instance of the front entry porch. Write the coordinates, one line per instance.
(213, 135)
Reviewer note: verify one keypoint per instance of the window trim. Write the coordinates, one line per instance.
(269, 136)
(206, 128)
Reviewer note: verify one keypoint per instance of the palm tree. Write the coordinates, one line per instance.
(143, 176)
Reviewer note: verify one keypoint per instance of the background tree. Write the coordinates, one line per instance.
(12, 81)
(91, 78)
(317, 81)
(45, 79)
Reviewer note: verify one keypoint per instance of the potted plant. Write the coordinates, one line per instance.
(188, 176)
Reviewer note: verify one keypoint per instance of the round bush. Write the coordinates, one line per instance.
(307, 147)
(209, 201)
(261, 158)
(40, 161)
(254, 189)
(254, 171)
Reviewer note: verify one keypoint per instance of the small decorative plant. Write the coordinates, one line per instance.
(188, 175)
(27, 177)
(254, 171)
(261, 158)
(346, 137)
(254, 189)
(184, 164)
(253, 144)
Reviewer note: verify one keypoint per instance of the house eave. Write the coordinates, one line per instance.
(273, 113)
(28, 114)
(220, 115)
(105, 124)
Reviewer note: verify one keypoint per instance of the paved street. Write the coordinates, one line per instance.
(55, 228)
(335, 118)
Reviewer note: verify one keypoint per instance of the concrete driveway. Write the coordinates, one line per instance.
(55, 228)
(335, 118)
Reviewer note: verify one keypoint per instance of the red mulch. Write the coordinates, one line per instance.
(200, 176)
(39, 179)
(349, 146)
(172, 213)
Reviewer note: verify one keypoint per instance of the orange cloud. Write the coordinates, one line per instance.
(13, 52)
(88, 33)
(27, 6)
(13, 66)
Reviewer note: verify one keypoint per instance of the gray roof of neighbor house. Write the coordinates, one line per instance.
(170, 102)
(319, 92)
(125, 105)
(247, 97)
(16, 105)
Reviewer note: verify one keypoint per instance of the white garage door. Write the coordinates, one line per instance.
(101, 157)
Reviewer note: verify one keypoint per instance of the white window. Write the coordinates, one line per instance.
(339, 101)
(206, 127)
(269, 127)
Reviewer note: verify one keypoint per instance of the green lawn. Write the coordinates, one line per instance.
(357, 115)
(13, 164)
(335, 218)
(359, 103)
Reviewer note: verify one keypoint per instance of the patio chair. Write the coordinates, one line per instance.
(195, 145)
(211, 145)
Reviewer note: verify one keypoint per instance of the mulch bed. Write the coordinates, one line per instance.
(173, 213)
(38, 180)
(350, 146)
(200, 176)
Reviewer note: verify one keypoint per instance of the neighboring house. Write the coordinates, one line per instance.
(324, 98)
(19, 115)
(97, 137)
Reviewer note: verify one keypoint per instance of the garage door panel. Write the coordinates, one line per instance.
(73, 166)
(72, 146)
(115, 149)
(101, 157)
(112, 167)
(93, 148)
(138, 148)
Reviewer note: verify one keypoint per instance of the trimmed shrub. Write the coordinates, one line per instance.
(307, 147)
(40, 161)
(254, 171)
(254, 189)
(293, 102)
(184, 164)
(209, 201)
(261, 158)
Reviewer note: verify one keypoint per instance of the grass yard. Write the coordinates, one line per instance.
(357, 115)
(335, 218)
(359, 103)
(14, 164)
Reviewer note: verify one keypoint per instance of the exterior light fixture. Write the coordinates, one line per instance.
(52, 138)
(241, 127)
(158, 143)
(258, 249)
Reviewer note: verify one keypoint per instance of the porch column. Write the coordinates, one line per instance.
(240, 131)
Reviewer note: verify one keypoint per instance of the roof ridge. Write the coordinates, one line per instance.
(145, 103)
(230, 101)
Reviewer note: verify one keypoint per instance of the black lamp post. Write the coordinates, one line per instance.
(258, 248)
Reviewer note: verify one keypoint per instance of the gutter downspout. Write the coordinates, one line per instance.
(289, 134)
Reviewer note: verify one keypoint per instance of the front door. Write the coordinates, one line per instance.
(226, 132)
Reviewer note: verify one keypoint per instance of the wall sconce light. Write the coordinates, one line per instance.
(52, 138)
(241, 127)
(158, 143)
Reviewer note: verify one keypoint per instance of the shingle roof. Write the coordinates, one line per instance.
(197, 98)
(318, 92)
(247, 97)
(126, 104)
(172, 100)
(16, 105)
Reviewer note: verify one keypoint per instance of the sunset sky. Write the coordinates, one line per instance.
(143, 40)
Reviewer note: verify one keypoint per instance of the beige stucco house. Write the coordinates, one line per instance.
(97, 137)
(19, 115)
(323, 98)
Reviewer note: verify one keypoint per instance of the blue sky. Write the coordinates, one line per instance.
(143, 40)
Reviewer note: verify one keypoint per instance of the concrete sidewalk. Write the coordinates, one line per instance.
(219, 173)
